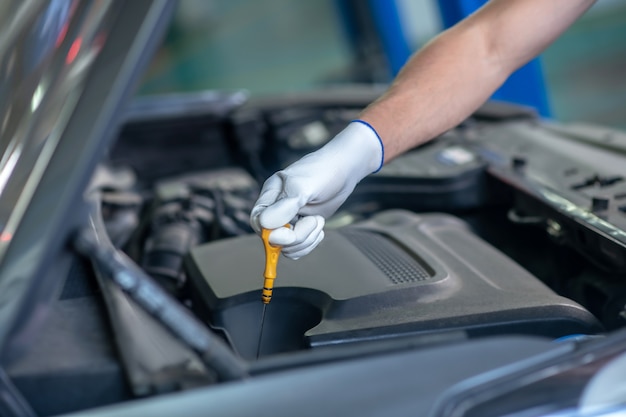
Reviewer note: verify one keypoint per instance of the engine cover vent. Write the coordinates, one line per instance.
(397, 264)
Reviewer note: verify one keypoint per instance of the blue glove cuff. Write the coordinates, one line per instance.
(382, 147)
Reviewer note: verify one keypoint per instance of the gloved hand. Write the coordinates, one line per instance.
(312, 188)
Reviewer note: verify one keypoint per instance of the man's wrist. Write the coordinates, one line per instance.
(378, 138)
(358, 149)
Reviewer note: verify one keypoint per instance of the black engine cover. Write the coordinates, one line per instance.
(396, 274)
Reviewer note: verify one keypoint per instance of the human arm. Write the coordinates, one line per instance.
(439, 87)
(444, 82)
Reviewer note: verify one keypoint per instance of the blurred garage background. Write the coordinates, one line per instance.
(278, 46)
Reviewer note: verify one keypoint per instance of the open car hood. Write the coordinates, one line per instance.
(66, 68)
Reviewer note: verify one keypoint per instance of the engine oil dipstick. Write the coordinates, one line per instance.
(272, 253)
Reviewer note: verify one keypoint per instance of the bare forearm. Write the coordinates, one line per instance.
(453, 75)
(436, 90)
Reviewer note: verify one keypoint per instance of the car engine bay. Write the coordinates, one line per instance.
(506, 225)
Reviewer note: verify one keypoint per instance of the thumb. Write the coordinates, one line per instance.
(280, 213)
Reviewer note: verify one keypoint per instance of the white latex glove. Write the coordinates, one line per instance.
(312, 188)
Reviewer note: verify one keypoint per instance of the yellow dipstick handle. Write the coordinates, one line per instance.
(272, 253)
